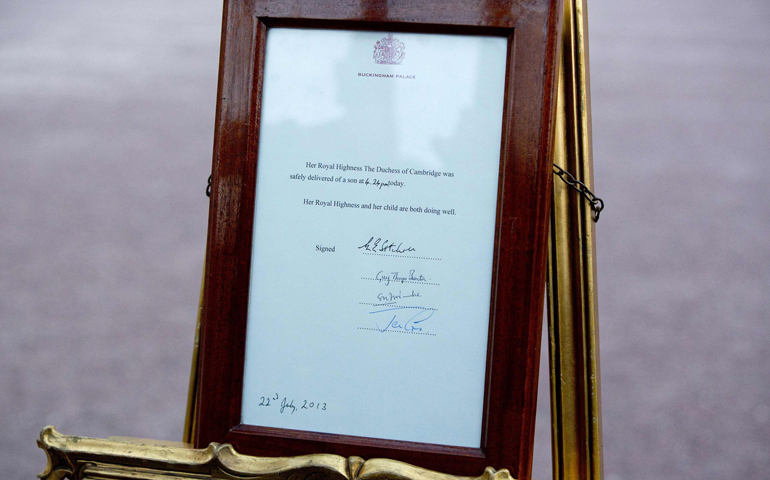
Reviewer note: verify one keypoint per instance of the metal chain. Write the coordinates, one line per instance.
(597, 204)
(208, 188)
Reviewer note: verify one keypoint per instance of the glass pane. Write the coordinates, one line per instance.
(374, 228)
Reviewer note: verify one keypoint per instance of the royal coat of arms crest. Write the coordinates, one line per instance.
(389, 51)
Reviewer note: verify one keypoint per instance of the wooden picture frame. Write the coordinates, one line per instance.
(521, 229)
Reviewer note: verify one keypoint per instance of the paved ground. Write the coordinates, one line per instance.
(106, 121)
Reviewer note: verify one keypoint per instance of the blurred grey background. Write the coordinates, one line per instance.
(106, 127)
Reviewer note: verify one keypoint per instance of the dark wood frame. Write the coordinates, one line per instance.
(532, 28)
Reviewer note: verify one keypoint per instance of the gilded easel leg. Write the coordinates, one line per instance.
(192, 392)
(572, 308)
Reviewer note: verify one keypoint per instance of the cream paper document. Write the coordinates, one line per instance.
(377, 179)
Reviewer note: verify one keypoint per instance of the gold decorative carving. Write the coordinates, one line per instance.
(82, 458)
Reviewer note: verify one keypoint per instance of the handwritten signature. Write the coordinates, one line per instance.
(411, 325)
(385, 298)
(396, 277)
(386, 246)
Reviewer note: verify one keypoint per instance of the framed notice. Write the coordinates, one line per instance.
(375, 267)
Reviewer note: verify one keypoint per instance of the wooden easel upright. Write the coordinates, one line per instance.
(572, 334)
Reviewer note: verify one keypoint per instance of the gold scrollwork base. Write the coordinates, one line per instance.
(81, 458)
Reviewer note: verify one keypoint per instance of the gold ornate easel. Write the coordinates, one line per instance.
(90, 458)
(572, 334)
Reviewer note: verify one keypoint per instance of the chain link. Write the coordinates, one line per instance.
(597, 204)
(208, 188)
